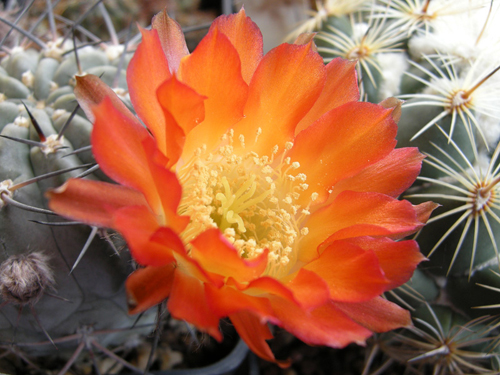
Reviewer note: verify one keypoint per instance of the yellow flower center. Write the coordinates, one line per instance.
(252, 199)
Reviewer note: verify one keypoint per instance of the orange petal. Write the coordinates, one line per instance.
(172, 39)
(398, 259)
(166, 199)
(147, 287)
(341, 87)
(392, 175)
(325, 325)
(117, 147)
(214, 71)
(424, 210)
(354, 214)
(309, 289)
(188, 302)
(183, 109)
(342, 143)
(285, 86)
(137, 225)
(265, 286)
(147, 70)
(227, 300)
(245, 36)
(92, 202)
(90, 91)
(254, 333)
(352, 274)
(215, 254)
(378, 315)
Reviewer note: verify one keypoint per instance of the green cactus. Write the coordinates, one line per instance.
(60, 282)
(451, 115)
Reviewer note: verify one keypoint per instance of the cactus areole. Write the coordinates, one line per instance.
(262, 190)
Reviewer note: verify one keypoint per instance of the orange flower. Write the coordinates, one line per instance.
(261, 190)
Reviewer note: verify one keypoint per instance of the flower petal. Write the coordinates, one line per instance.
(254, 333)
(354, 214)
(378, 315)
(227, 300)
(188, 302)
(352, 274)
(245, 36)
(137, 224)
(147, 287)
(392, 175)
(90, 90)
(147, 70)
(171, 38)
(341, 87)
(210, 247)
(285, 86)
(183, 109)
(345, 140)
(92, 202)
(325, 325)
(398, 259)
(214, 71)
(309, 289)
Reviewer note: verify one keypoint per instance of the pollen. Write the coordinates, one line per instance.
(252, 199)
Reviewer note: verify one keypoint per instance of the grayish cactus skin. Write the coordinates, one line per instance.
(92, 296)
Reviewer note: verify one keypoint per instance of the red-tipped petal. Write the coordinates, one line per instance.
(342, 143)
(392, 175)
(137, 224)
(214, 71)
(188, 302)
(92, 202)
(149, 286)
(325, 325)
(398, 259)
(378, 315)
(285, 86)
(246, 37)
(341, 87)
(217, 255)
(352, 274)
(255, 334)
(171, 38)
(147, 70)
(355, 214)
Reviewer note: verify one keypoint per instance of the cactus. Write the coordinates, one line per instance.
(439, 57)
(60, 284)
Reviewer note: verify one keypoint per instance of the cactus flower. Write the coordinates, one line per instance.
(259, 189)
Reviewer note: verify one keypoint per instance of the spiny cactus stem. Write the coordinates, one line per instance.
(66, 124)
(88, 171)
(81, 29)
(28, 35)
(26, 8)
(121, 62)
(12, 349)
(112, 355)
(104, 233)
(52, 23)
(25, 141)
(83, 45)
(426, 6)
(35, 124)
(44, 14)
(85, 248)
(80, 19)
(485, 192)
(47, 175)
(467, 93)
(23, 206)
(35, 315)
(72, 359)
(79, 66)
(57, 223)
(77, 151)
(109, 24)
(156, 338)
(485, 23)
